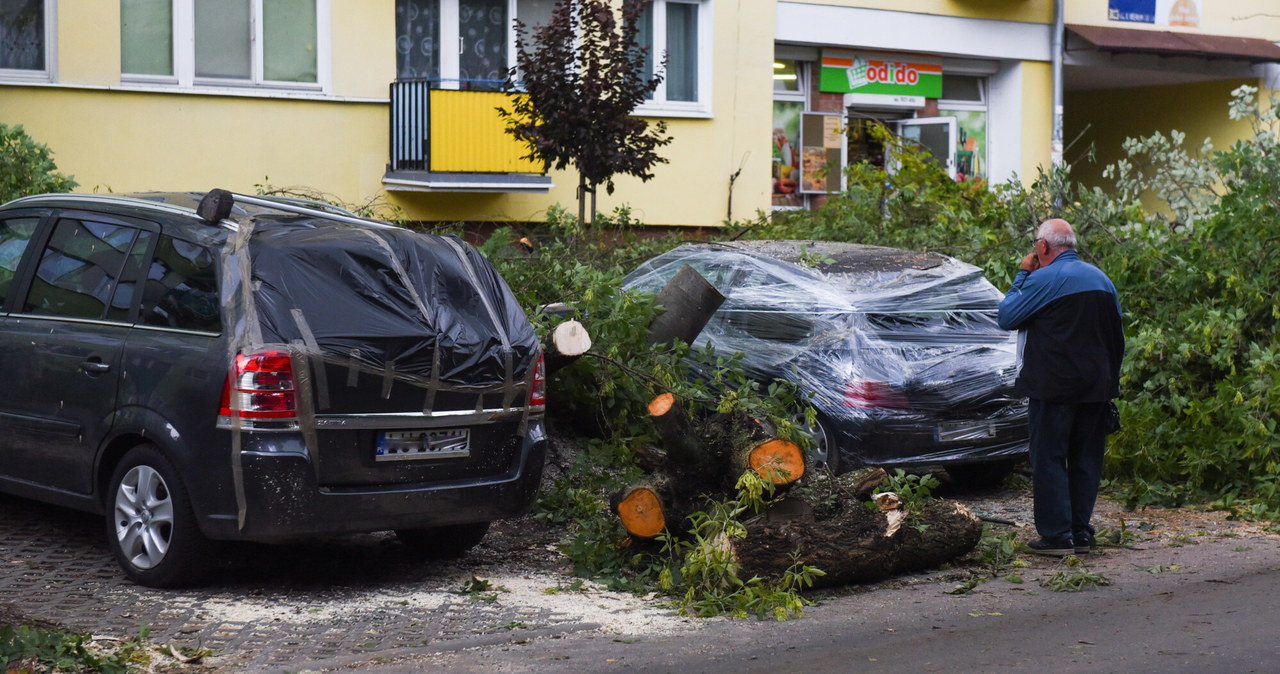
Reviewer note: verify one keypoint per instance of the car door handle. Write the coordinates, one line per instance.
(95, 367)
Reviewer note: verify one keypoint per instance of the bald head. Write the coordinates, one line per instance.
(1058, 234)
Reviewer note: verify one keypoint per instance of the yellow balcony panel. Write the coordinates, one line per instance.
(467, 136)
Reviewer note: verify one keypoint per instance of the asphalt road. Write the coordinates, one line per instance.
(1208, 606)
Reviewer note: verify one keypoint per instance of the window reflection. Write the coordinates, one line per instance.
(79, 268)
(15, 234)
(182, 288)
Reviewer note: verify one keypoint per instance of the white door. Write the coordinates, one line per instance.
(937, 135)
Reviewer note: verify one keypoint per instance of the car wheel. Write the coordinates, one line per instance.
(443, 542)
(825, 453)
(984, 475)
(151, 528)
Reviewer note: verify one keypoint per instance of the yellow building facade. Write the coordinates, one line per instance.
(765, 100)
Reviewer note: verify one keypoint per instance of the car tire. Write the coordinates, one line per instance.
(443, 542)
(986, 475)
(151, 528)
(825, 453)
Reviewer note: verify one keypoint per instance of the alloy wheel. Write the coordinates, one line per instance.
(143, 517)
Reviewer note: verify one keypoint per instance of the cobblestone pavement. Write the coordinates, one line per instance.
(269, 608)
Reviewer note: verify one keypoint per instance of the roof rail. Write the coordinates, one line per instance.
(216, 206)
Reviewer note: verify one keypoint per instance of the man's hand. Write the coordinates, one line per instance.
(1030, 262)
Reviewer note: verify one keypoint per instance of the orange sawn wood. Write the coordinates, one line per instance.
(641, 513)
(662, 404)
(779, 461)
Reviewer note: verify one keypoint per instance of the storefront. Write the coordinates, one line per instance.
(824, 111)
(963, 104)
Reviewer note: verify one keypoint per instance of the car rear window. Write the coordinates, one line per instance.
(931, 326)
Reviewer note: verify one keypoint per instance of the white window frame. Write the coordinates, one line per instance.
(50, 72)
(184, 50)
(659, 106)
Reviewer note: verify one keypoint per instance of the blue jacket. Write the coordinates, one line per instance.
(1074, 337)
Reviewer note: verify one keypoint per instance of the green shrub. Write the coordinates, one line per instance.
(26, 167)
(1197, 280)
(1201, 290)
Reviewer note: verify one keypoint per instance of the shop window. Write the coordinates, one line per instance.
(967, 88)
(964, 99)
(786, 153)
(786, 76)
(788, 108)
(222, 41)
(24, 37)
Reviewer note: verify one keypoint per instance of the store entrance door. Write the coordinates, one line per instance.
(937, 135)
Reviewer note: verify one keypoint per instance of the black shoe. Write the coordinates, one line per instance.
(1043, 547)
(1085, 543)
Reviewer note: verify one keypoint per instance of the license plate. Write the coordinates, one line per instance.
(960, 431)
(437, 443)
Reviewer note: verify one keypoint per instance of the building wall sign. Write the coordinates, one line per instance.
(1185, 13)
(848, 72)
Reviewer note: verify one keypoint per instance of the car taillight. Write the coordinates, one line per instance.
(870, 394)
(538, 390)
(260, 386)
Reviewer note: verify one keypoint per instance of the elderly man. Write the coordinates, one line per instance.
(1069, 315)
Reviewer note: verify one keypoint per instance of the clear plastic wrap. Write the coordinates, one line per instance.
(898, 350)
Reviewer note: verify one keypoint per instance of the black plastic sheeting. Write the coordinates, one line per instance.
(898, 350)
(389, 298)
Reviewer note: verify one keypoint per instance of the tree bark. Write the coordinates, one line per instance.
(676, 431)
(688, 301)
(859, 546)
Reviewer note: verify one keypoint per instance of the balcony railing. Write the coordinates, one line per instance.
(441, 130)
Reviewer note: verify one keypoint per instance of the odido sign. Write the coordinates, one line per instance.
(869, 73)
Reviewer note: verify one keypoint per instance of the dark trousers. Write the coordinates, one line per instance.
(1067, 444)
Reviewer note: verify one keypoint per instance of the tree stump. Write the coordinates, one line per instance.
(568, 341)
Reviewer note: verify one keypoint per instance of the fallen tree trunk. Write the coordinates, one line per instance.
(688, 301)
(860, 545)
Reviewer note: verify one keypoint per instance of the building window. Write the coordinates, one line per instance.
(262, 42)
(681, 29)
(24, 36)
(146, 37)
